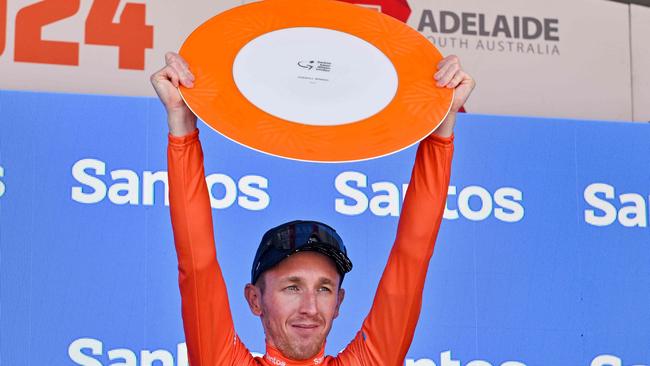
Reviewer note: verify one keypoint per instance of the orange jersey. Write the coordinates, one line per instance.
(387, 331)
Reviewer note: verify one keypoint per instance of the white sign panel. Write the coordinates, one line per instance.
(538, 58)
(551, 59)
(640, 25)
(94, 46)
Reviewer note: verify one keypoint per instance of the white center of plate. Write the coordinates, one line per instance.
(315, 76)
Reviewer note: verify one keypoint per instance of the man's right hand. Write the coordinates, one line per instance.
(166, 81)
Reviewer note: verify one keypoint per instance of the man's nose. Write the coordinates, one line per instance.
(309, 303)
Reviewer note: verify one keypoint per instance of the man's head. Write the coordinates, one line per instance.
(295, 286)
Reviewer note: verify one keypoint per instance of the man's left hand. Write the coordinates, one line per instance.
(451, 75)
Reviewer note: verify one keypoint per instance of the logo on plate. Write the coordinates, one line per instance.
(324, 66)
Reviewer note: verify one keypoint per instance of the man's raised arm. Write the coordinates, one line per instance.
(387, 331)
(207, 320)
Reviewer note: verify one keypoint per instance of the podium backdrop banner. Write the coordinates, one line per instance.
(542, 258)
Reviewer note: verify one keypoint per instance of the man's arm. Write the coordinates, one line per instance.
(180, 119)
(387, 331)
(209, 330)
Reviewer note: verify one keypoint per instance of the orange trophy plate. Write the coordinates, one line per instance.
(316, 80)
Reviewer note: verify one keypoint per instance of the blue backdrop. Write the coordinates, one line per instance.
(543, 257)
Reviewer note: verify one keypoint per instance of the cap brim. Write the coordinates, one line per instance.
(343, 263)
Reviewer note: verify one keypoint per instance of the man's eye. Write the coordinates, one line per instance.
(292, 288)
(325, 289)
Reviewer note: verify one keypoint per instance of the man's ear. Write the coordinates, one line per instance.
(253, 296)
(339, 302)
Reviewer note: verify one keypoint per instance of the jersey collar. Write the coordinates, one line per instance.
(275, 357)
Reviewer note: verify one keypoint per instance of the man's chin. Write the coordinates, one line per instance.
(304, 349)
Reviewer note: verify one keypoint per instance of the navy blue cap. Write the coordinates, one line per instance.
(292, 237)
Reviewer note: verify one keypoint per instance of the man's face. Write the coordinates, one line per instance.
(300, 300)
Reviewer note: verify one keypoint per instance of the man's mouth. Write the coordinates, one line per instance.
(305, 328)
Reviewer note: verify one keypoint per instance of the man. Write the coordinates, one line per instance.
(299, 267)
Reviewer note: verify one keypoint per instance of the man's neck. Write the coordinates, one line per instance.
(275, 357)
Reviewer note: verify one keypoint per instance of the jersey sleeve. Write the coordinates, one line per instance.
(207, 320)
(387, 331)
